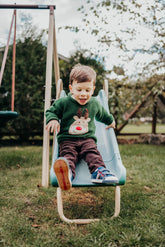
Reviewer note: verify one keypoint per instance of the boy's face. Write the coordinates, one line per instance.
(82, 92)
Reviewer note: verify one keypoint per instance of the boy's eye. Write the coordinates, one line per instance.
(79, 90)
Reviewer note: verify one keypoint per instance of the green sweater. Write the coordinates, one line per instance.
(77, 121)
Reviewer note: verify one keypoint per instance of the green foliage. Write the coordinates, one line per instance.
(29, 85)
(124, 96)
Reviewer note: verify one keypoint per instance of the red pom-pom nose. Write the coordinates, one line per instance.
(78, 128)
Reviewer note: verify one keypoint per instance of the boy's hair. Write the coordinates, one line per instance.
(82, 73)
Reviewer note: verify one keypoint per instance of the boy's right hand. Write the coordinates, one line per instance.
(53, 126)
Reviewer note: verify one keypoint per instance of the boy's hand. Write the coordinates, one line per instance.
(53, 126)
(112, 125)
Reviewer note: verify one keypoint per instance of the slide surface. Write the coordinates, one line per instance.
(108, 147)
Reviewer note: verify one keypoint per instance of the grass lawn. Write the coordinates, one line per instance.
(28, 213)
(143, 128)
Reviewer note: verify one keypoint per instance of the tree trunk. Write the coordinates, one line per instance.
(154, 115)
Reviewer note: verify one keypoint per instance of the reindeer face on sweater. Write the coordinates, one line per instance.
(80, 125)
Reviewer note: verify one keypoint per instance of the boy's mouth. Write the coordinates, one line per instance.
(82, 100)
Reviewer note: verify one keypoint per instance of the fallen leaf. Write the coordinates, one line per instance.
(35, 225)
(43, 193)
(147, 188)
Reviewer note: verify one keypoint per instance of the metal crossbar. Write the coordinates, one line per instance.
(15, 6)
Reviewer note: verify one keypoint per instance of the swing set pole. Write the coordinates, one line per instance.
(51, 49)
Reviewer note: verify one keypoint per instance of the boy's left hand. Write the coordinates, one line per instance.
(112, 125)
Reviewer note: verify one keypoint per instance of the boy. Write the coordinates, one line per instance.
(76, 129)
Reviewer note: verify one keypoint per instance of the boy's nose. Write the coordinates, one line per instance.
(83, 92)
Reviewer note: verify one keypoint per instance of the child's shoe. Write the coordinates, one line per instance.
(63, 173)
(102, 175)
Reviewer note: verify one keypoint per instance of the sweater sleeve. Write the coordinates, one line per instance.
(103, 116)
(54, 112)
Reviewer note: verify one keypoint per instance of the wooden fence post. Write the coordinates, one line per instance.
(154, 114)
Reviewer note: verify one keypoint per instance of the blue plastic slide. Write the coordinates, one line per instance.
(108, 147)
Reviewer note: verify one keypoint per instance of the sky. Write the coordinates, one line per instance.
(67, 42)
(65, 13)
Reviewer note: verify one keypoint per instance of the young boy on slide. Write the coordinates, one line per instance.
(73, 119)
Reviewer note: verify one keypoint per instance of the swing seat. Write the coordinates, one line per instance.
(108, 147)
(7, 115)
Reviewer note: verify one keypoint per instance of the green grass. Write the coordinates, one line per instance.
(28, 212)
(143, 128)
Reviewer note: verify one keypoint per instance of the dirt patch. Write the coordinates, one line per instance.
(75, 195)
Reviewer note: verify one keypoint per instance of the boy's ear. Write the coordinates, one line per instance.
(70, 87)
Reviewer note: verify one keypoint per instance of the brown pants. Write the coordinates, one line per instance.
(80, 148)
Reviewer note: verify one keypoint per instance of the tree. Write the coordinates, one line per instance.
(29, 88)
(131, 32)
(124, 97)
